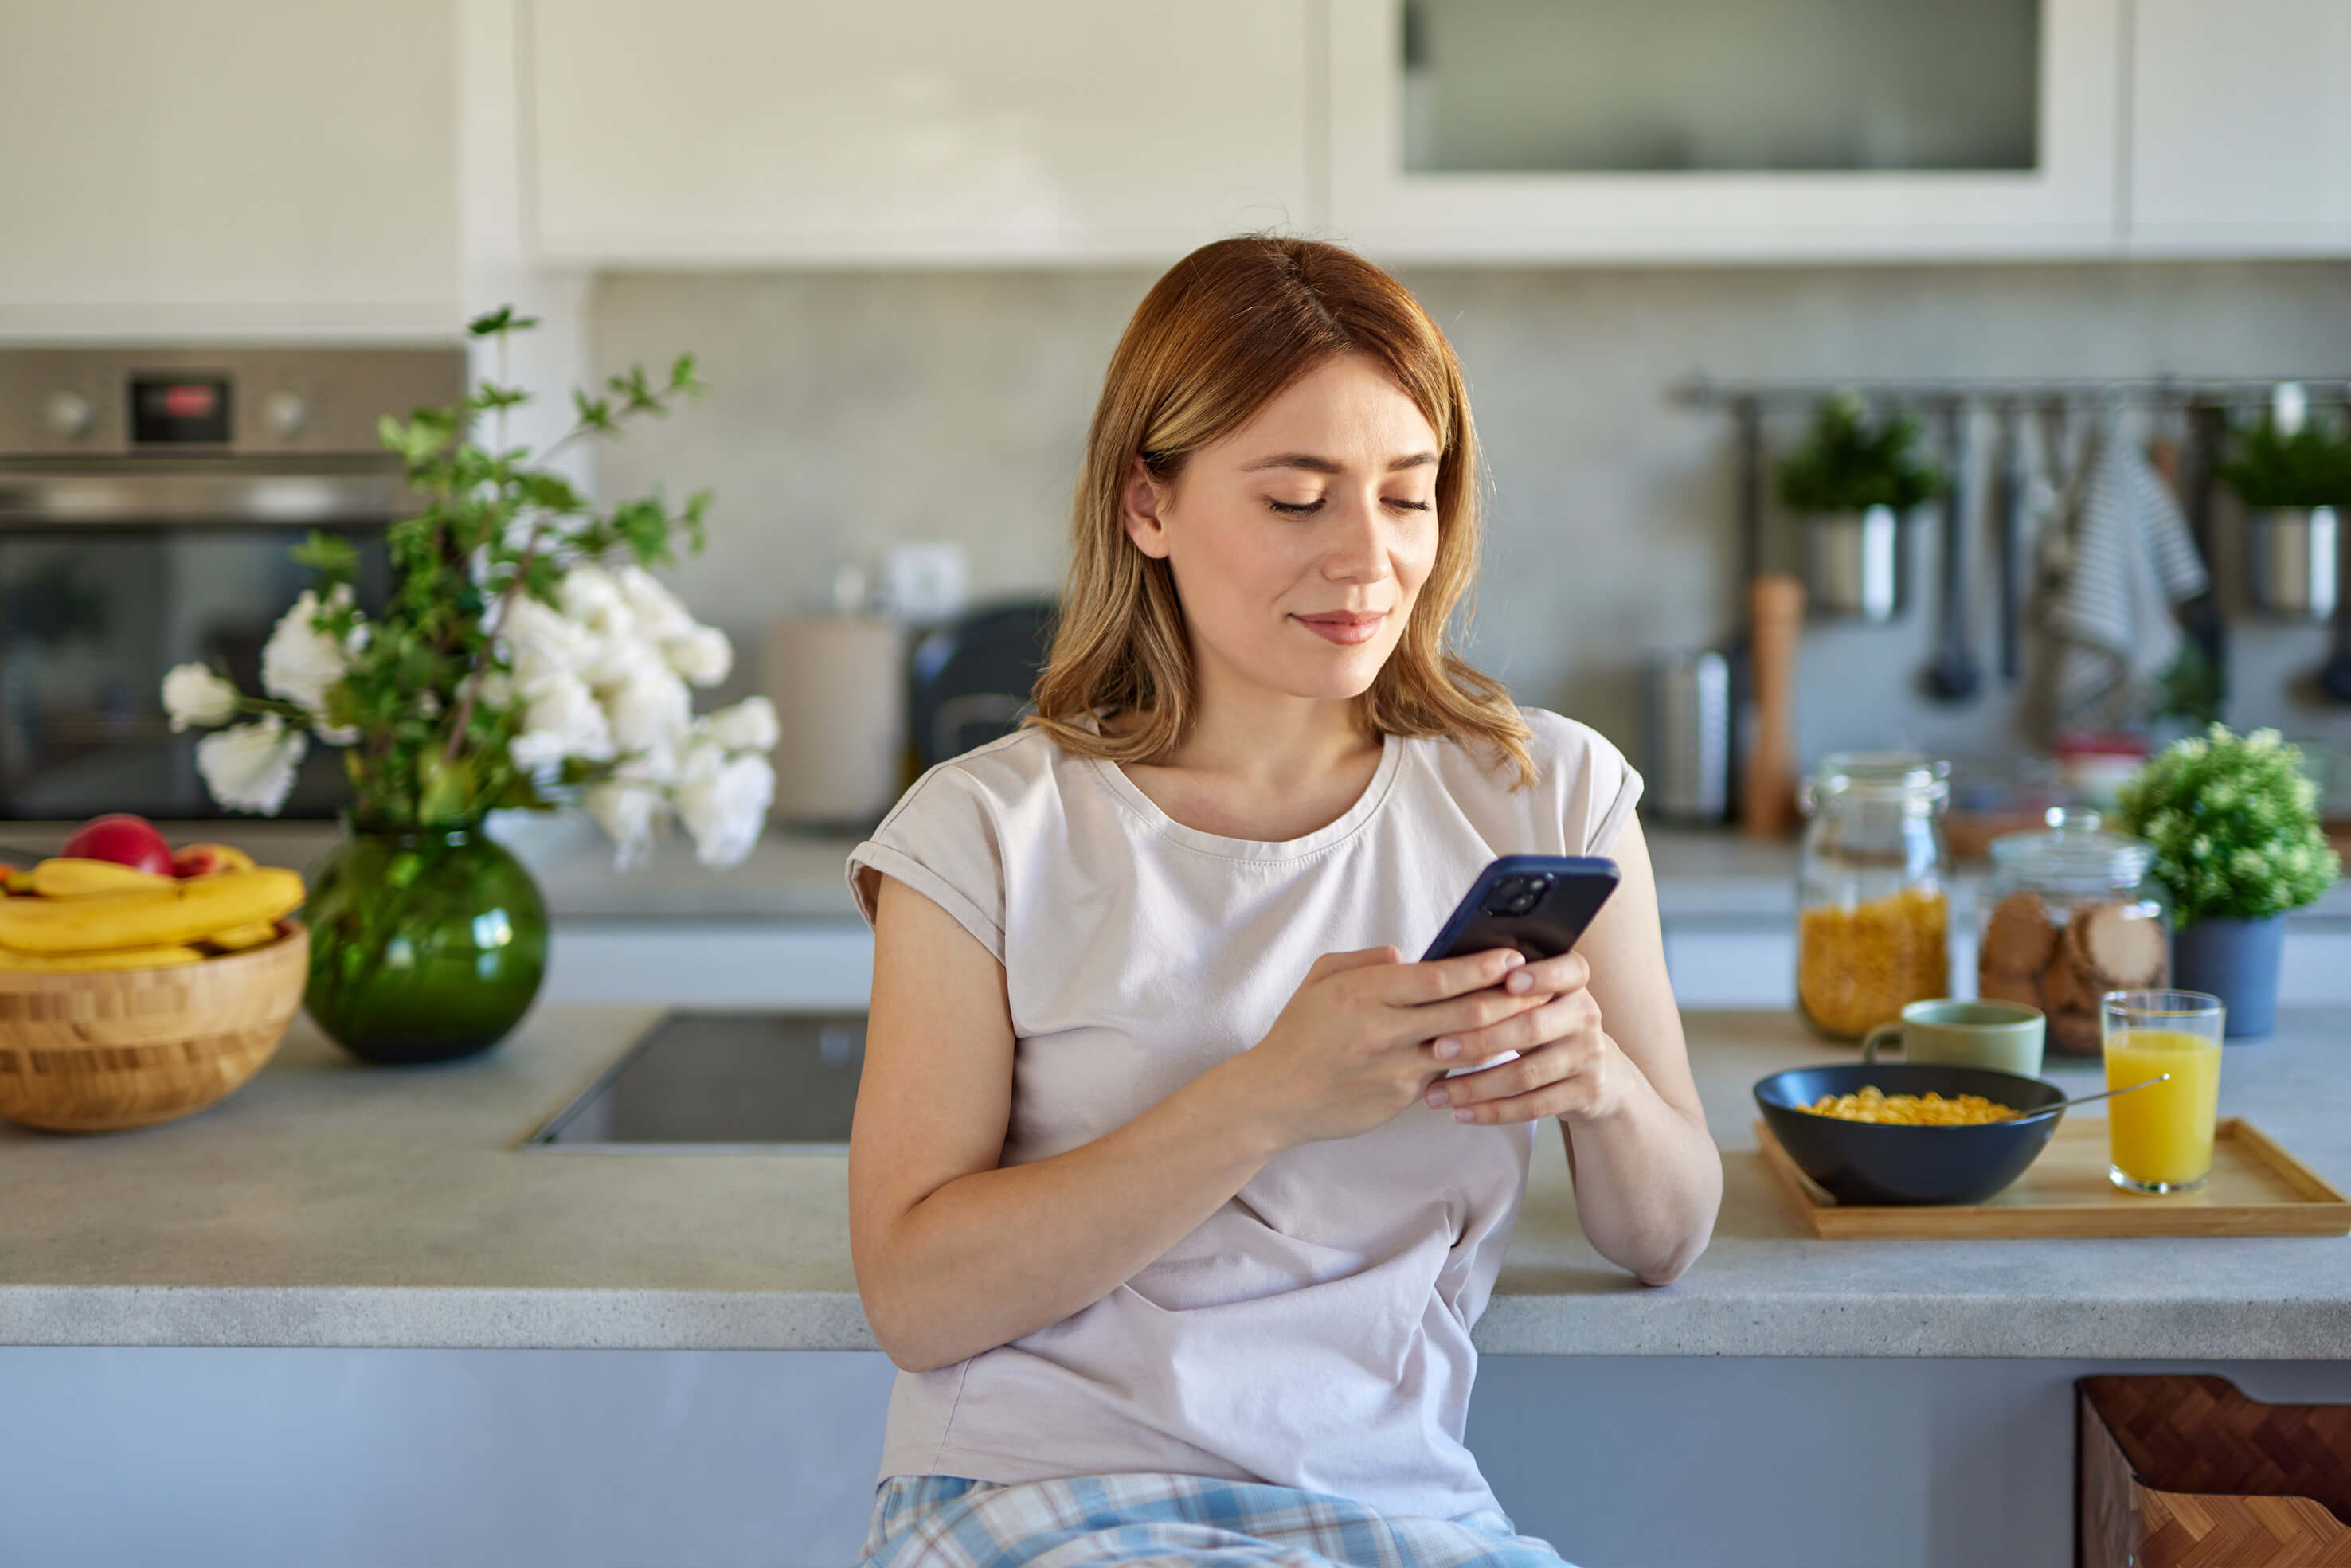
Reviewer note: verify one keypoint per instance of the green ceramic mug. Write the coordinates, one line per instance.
(1946, 1033)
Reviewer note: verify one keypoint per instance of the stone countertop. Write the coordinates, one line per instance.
(330, 1203)
(1703, 874)
(795, 876)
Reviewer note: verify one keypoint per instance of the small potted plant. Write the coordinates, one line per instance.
(526, 660)
(2292, 475)
(2234, 822)
(1855, 480)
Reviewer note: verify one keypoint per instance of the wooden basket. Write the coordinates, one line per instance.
(98, 1050)
(2187, 1472)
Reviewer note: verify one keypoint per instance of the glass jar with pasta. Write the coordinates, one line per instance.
(1872, 911)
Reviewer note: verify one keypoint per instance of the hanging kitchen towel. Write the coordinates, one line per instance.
(2132, 559)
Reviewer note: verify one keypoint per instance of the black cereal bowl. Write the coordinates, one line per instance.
(1875, 1163)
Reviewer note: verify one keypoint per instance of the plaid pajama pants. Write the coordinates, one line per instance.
(1099, 1522)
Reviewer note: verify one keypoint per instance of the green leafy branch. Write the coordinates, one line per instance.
(496, 522)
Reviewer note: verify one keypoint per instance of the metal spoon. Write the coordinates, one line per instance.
(2069, 1105)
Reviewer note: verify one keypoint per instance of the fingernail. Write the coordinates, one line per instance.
(1447, 1048)
(1519, 980)
(1437, 1097)
(1512, 958)
(1465, 1114)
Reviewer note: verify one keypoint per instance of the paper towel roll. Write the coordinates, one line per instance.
(838, 685)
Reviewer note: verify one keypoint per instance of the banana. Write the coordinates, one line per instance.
(66, 876)
(235, 938)
(206, 859)
(174, 913)
(110, 958)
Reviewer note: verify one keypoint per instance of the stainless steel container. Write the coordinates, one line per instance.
(1859, 565)
(1689, 762)
(2291, 573)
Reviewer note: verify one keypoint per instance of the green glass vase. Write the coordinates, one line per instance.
(426, 944)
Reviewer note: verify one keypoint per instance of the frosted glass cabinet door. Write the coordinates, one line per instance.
(1498, 129)
(2241, 127)
(717, 130)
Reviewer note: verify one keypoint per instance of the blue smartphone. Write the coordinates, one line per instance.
(1539, 905)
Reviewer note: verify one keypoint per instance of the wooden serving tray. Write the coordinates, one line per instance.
(2256, 1189)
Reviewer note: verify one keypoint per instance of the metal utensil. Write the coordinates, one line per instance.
(2008, 504)
(1953, 678)
(2083, 1100)
(2334, 676)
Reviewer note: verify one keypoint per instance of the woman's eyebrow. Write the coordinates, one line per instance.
(1314, 465)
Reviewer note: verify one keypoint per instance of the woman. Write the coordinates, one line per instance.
(1162, 1194)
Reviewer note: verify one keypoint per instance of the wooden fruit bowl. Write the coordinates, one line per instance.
(98, 1050)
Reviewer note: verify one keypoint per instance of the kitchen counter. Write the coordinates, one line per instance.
(1703, 873)
(329, 1203)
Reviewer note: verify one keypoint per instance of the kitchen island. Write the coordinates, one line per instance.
(330, 1203)
(390, 1218)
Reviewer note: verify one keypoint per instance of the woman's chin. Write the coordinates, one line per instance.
(1333, 675)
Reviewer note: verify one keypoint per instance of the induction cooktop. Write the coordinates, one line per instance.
(721, 1082)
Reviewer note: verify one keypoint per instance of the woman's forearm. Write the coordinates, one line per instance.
(996, 1254)
(1648, 1180)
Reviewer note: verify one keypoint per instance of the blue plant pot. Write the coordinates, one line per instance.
(2237, 961)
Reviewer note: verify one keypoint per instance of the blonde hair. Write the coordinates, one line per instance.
(1223, 333)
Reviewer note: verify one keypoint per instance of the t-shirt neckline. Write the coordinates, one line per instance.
(1130, 795)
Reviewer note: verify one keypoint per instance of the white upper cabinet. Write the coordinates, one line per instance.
(1573, 130)
(226, 167)
(2241, 127)
(712, 131)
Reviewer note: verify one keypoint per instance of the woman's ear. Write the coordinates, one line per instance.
(1140, 504)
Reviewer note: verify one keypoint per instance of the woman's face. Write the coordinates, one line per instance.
(1299, 542)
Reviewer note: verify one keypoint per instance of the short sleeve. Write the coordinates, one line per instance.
(942, 839)
(1615, 789)
(1589, 789)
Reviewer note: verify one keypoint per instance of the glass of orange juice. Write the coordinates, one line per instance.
(2161, 1135)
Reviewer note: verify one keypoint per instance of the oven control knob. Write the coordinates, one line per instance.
(69, 414)
(285, 412)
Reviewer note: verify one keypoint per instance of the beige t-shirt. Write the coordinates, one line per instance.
(1315, 1331)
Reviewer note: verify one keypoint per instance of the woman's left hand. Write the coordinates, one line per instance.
(1566, 1066)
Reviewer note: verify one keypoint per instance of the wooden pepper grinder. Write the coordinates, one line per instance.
(1775, 613)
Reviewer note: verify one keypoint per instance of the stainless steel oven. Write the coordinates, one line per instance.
(148, 501)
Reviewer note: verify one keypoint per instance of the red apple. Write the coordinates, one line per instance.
(124, 838)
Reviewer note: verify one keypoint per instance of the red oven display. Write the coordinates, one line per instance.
(179, 410)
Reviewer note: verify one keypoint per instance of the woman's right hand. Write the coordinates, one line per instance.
(1349, 1049)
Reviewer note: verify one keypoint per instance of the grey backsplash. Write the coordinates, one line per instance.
(851, 411)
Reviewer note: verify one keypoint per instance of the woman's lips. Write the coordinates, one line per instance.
(1344, 627)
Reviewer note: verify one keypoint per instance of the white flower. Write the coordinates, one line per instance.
(748, 725)
(542, 642)
(194, 695)
(611, 663)
(723, 802)
(592, 596)
(629, 805)
(650, 709)
(497, 688)
(660, 613)
(702, 656)
(561, 718)
(299, 662)
(250, 768)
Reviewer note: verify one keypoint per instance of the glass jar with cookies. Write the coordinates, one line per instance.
(2072, 913)
(1872, 907)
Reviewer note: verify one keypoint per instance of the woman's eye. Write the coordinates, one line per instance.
(1297, 508)
(1407, 505)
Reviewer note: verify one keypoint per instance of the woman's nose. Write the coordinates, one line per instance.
(1356, 551)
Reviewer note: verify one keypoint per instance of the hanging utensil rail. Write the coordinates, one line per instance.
(2141, 392)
